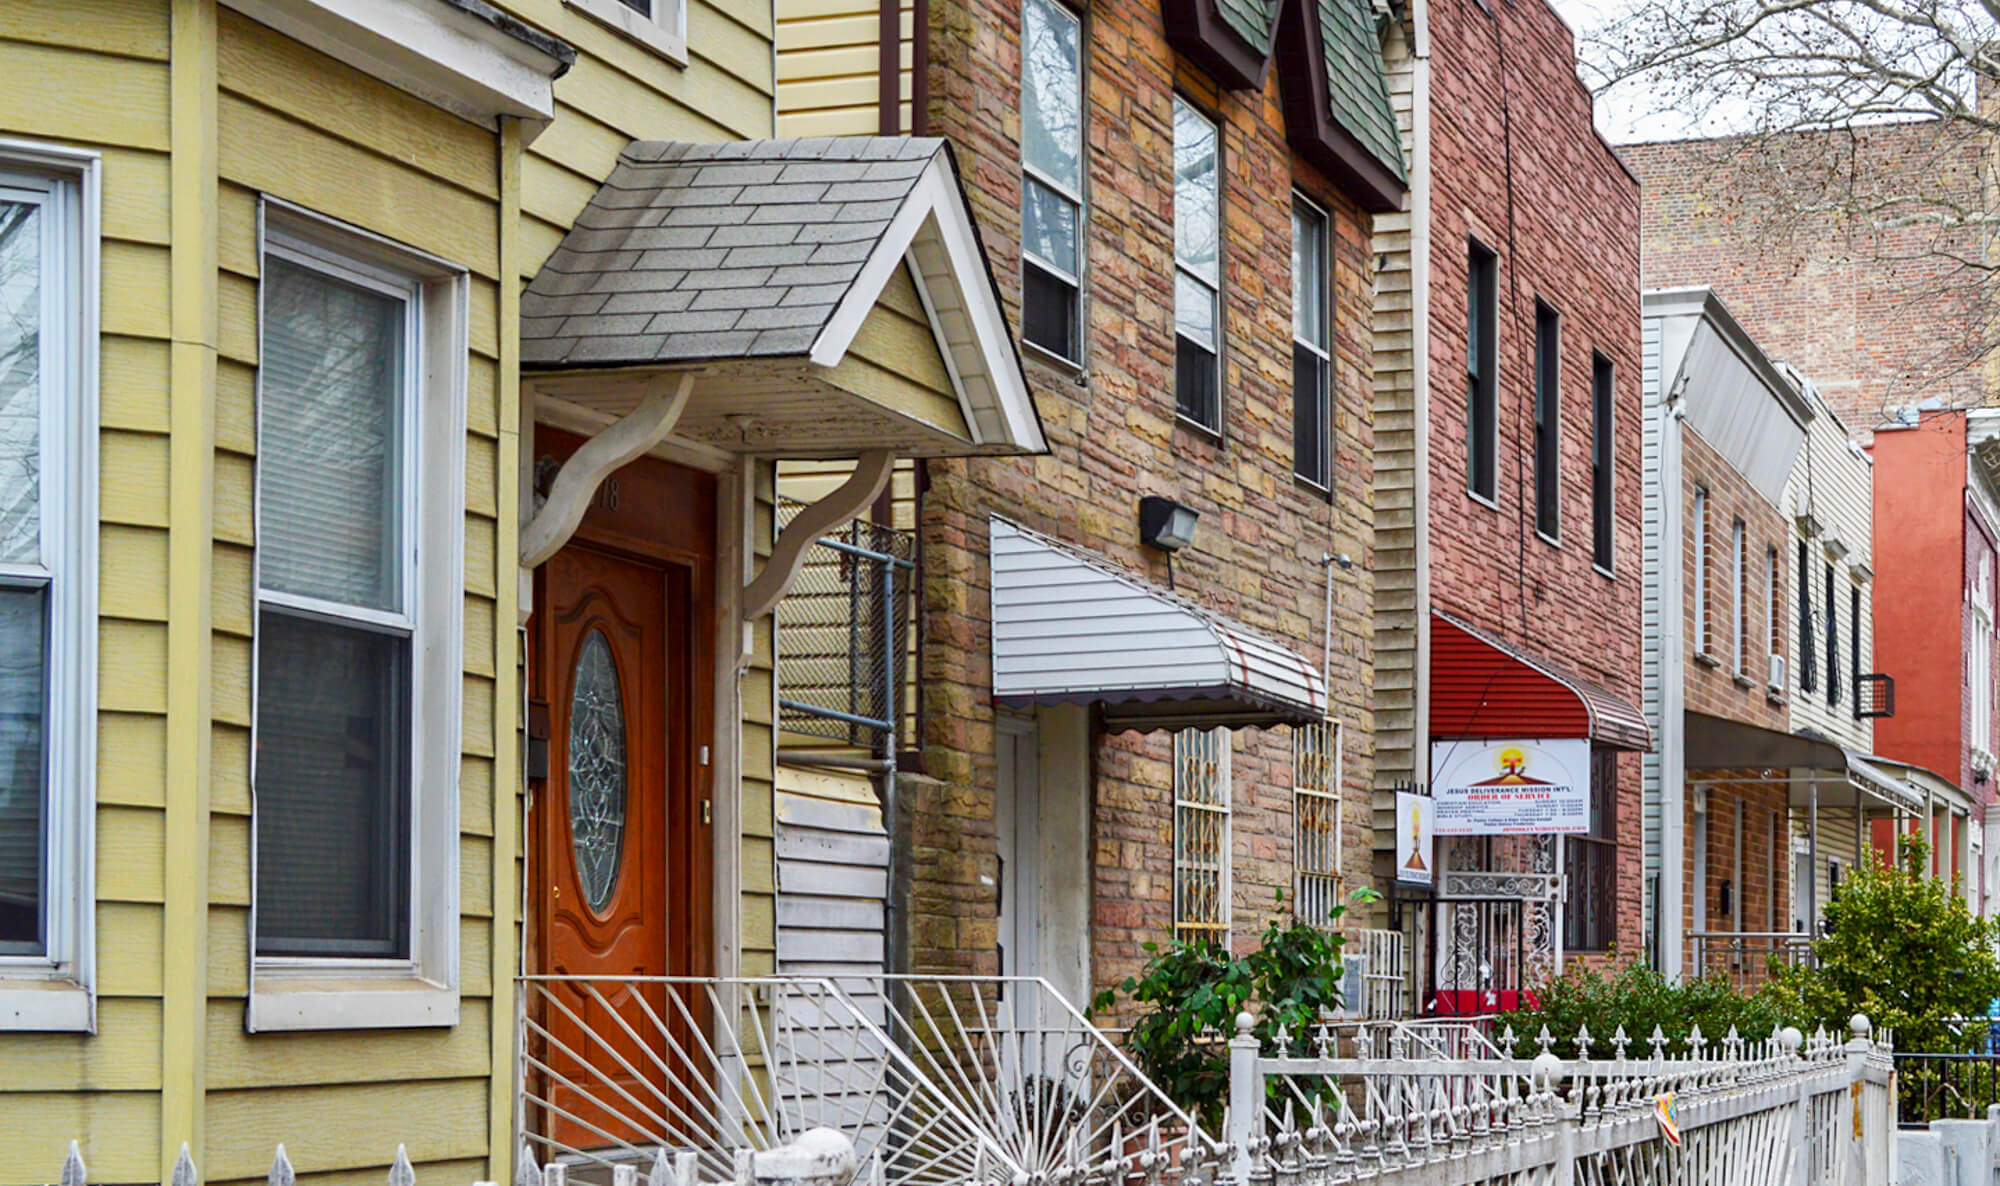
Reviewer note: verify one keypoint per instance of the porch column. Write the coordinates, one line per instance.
(1812, 854)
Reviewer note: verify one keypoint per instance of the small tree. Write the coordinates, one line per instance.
(1905, 949)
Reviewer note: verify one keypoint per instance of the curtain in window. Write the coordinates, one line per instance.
(330, 439)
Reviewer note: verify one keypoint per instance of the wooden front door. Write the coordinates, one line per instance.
(621, 874)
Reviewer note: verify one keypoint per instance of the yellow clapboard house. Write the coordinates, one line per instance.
(392, 394)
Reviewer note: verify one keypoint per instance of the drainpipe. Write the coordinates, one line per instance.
(1668, 919)
(1420, 361)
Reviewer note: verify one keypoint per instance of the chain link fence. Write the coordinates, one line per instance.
(844, 645)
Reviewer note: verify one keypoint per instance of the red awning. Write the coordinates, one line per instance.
(1483, 687)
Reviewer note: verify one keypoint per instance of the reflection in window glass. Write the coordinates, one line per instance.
(1197, 247)
(1052, 178)
(1312, 421)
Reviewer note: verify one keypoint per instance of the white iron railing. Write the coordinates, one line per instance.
(933, 1080)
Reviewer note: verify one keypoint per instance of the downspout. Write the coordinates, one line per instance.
(1420, 358)
(1668, 918)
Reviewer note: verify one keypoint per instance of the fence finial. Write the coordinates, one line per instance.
(1583, 1041)
(401, 1172)
(72, 1170)
(1658, 1042)
(624, 1174)
(1545, 1039)
(1860, 1025)
(526, 1172)
(1619, 1042)
(184, 1174)
(281, 1170)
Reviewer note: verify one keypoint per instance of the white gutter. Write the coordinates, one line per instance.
(1672, 737)
(1420, 361)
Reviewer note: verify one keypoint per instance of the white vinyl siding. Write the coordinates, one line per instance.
(48, 484)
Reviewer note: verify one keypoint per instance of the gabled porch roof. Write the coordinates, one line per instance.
(830, 296)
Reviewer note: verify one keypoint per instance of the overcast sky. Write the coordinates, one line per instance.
(1620, 115)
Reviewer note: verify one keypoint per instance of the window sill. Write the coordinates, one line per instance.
(1554, 541)
(1069, 368)
(641, 29)
(280, 1003)
(1743, 681)
(1491, 504)
(1707, 659)
(1316, 489)
(45, 1006)
(1775, 697)
(1195, 428)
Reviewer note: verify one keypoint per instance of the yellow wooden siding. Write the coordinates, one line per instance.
(894, 361)
(829, 63)
(311, 131)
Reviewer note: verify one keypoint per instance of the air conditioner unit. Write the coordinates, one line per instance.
(1777, 680)
(1354, 986)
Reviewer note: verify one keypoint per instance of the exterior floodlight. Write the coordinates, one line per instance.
(1165, 524)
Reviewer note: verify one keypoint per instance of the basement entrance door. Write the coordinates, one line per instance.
(622, 882)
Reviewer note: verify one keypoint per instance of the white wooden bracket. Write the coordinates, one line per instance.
(576, 484)
(831, 513)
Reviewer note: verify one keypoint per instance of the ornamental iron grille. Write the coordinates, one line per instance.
(1201, 834)
(845, 638)
(1316, 821)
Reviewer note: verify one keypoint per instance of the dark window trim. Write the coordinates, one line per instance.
(1548, 422)
(1832, 636)
(1854, 642)
(1808, 644)
(1603, 462)
(1482, 373)
(1597, 931)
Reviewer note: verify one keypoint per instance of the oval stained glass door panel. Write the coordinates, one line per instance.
(597, 771)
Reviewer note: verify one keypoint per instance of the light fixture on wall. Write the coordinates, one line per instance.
(1166, 525)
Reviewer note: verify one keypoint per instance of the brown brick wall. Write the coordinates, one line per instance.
(1766, 873)
(1711, 680)
(1113, 437)
(1876, 317)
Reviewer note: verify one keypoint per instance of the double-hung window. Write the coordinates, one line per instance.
(1197, 267)
(1052, 210)
(1312, 347)
(1698, 539)
(1590, 911)
(1832, 637)
(1602, 384)
(658, 24)
(1201, 834)
(1808, 651)
(48, 414)
(1739, 598)
(1774, 590)
(1854, 644)
(1482, 382)
(360, 523)
(1548, 422)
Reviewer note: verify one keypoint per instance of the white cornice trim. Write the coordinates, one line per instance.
(435, 50)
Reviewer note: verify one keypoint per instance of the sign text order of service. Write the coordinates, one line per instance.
(1500, 788)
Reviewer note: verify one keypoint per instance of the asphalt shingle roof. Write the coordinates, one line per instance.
(1253, 20)
(1357, 86)
(690, 252)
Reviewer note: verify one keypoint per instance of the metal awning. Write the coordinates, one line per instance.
(1717, 743)
(1485, 686)
(1069, 628)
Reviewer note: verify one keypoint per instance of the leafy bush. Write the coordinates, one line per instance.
(1638, 998)
(1190, 992)
(1905, 949)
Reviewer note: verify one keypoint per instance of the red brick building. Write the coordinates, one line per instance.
(1507, 410)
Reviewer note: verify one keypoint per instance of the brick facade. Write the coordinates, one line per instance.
(1517, 165)
(1114, 436)
(1877, 317)
(1713, 684)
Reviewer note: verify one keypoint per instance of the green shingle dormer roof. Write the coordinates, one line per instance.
(1357, 87)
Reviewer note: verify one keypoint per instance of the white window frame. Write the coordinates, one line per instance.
(1979, 657)
(1322, 350)
(303, 992)
(664, 30)
(55, 990)
(1224, 809)
(1073, 276)
(1740, 615)
(1698, 532)
(1213, 286)
(1317, 751)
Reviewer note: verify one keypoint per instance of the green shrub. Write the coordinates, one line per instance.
(1190, 992)
(1905, 949)
(1638, 998)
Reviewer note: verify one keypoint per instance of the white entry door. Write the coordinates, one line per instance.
(1042, 820)
(1017, 811)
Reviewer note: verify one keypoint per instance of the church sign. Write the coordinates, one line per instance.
(1514, 787)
